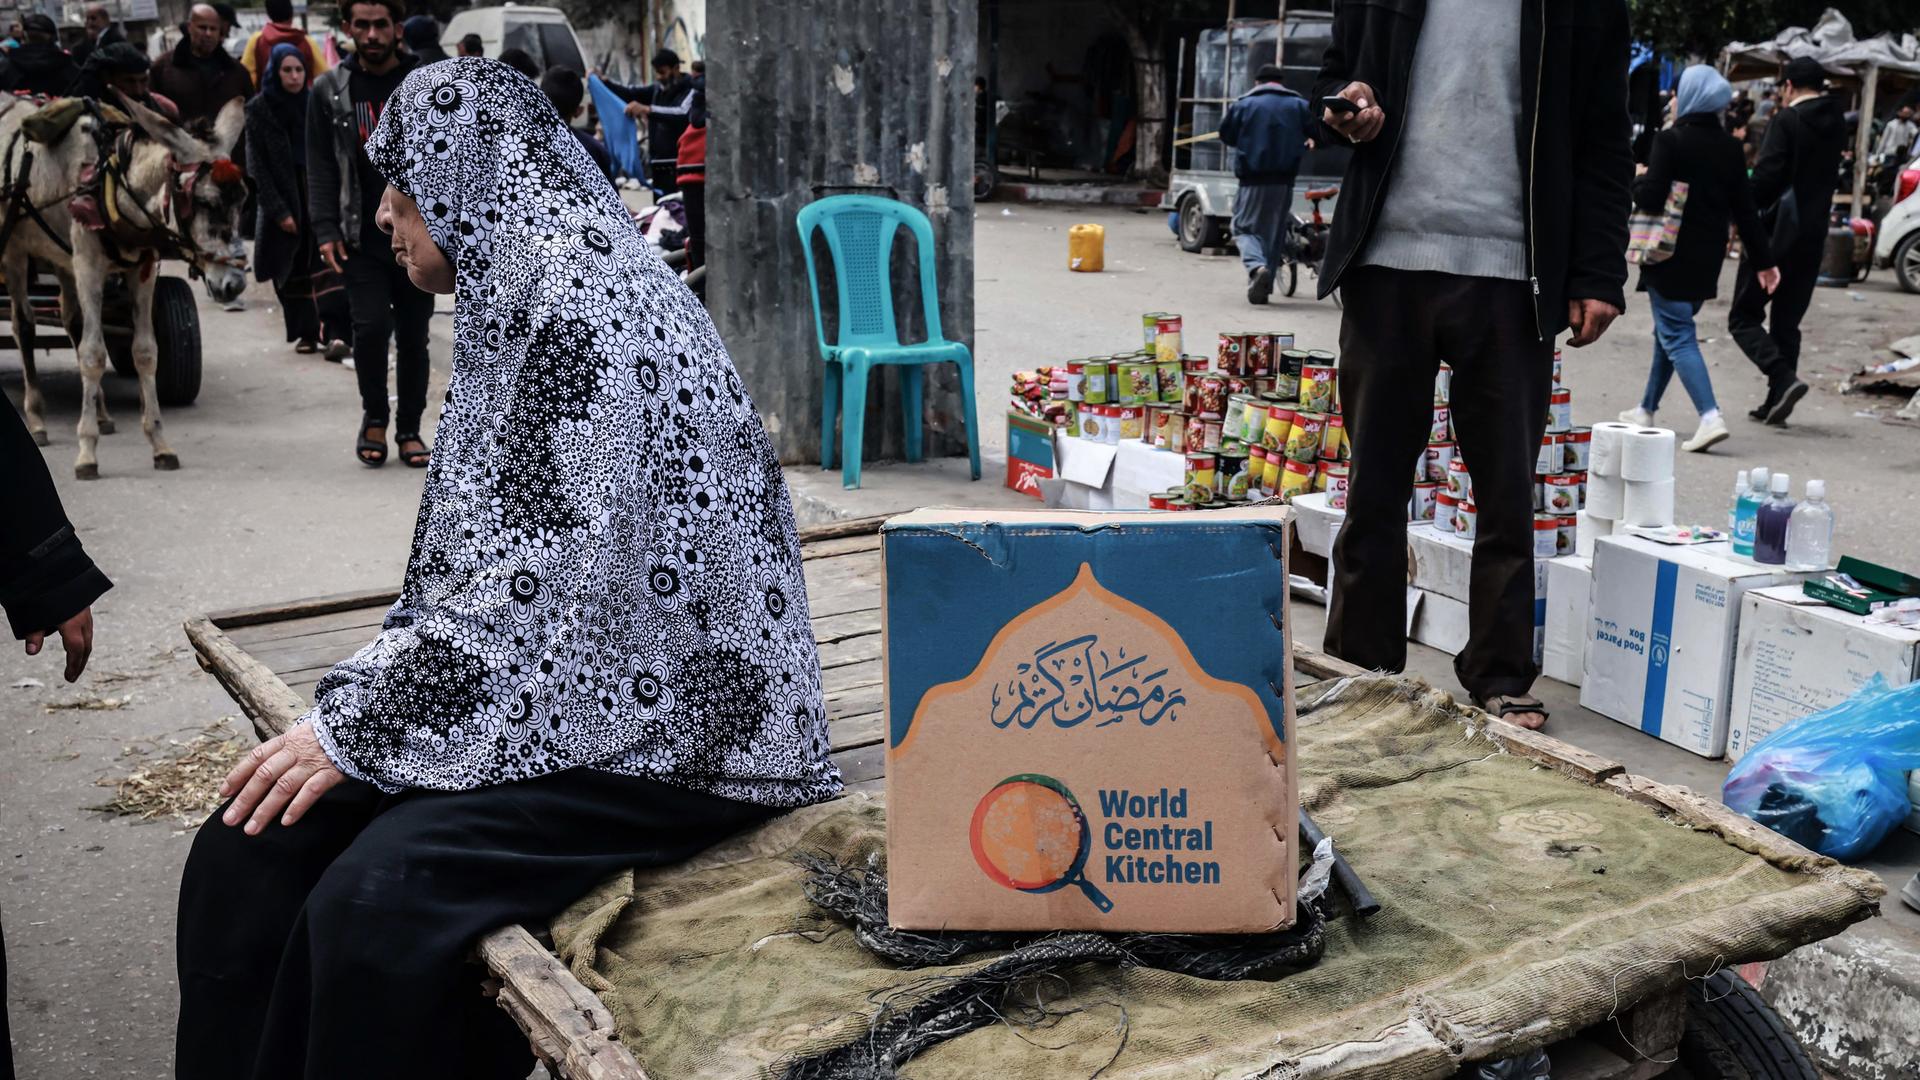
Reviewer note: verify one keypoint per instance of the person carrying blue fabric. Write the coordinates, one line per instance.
(666, 103)
(1267, 129)
(1697, 151)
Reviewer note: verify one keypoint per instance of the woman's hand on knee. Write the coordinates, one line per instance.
(287, 773)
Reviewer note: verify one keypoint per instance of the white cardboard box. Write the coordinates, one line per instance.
(1100, 476)
(1316, 523)
(1569, 599)
(1443, 567)
(1798, 656)
(1664, 617)
(1441, 622)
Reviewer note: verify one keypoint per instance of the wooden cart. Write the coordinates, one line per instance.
(269, 658)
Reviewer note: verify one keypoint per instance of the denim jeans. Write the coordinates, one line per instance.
(1676, 348)
(1262, 214)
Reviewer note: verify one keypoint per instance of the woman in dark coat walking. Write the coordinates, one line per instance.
(1697, 151)
(312, 298)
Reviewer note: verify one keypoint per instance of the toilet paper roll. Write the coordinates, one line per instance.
(1647, 454)
(1623, 528)
(1649, 503)
(1603, 456)
(1587, 529)
(1606, 496)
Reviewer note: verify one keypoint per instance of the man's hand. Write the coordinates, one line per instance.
(76, 637)
(334, 253)
(1363, 125)
(1589, 319)
(288, 225)
(290, 772)
(1769, 279)
(638, 109)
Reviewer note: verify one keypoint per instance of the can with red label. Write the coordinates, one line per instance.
(1303, 439)
(1552, 460)
(1181, 504)
(1439, 462)
(1196, 437)
(1270, 471)
(1296, 478)
(1546, 535)
(1458, 482)
(1166, 337)
(1442, 430)
(1166, 382)
(1210, 434)
(1579, 449)
(1213, 395)
(1337, 473)
(1253, 422)
(1076, 380)
(1157, 501)
(1317, 388)
(1560, 412)
(1556, 367)
(1566, 534)
(1446, 511)
(1200, 476)
(1333, 440)
(1260, 353)
(1231, 353)
(1423, 504)
(1443, 386)
(1176, 433)
(1466, 522)
(1560, 494)
(1580, 479)
(1279, 427)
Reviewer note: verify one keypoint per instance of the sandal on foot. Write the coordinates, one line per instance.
(1504, 705)
(306, 346)
(414, 459)
(372, 452)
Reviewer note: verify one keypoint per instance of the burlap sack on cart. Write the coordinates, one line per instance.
(1520, 905)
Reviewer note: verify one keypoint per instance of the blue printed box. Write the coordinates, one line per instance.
(1089, 721)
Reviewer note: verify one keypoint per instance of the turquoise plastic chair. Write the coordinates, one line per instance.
(860, 230)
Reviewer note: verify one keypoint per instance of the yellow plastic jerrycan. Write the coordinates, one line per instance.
(1086, 248)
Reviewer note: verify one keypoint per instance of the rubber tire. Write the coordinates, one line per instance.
(986, 177)
(1733, 1034)
(176, 326)
(1906, 262)
(1199, 230)
(1292, 284)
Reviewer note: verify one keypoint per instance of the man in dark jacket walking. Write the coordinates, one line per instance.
(198, 76)
(666, 103)
(1793, 182)
(39, 65)
(1267, 129)
(1484, 210)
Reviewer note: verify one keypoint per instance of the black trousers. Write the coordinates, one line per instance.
(1396, 328)
(664, 176)
(386, 307)
(694, 198)
(339, 947)
(1774, 347)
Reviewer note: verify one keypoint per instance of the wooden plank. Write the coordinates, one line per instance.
(1319, 664)
(834, 530)
(252, 635)
(855, 700)
(300, 609)
(846, 545)
(257, 690)
(1552, 752)
(861, 763)
(853, 732)
(569, 1027)
(864, 673)
(845, 626)
(852, 651)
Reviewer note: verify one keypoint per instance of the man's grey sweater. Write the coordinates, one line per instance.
(1454, 202)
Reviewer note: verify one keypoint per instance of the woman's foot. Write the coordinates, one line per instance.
(306, 345)
(1637, 416)
(1520, 710)
(338, 350)
(1713, 430)
(371, 446)
(413, 450)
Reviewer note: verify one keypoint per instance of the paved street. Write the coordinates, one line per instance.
(270, 504)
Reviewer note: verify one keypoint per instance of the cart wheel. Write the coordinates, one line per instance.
(176, 323)
(1198, 229)
(1293, 278)
(986, 176)
(1733, 1034)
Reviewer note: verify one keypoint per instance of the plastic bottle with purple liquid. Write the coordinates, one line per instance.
(1770, 523)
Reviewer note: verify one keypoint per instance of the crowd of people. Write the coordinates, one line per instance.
(339, 290)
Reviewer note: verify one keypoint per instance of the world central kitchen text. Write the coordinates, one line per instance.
(1158, 833)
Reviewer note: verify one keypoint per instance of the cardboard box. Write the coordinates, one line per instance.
(1569, 599)
(1077, 739)
(1316, 524)
(1798, 655)
(1443, 566)
(1438, 621)
(1660, 655)
(1029, 452)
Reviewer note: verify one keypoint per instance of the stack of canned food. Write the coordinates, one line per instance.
(1443, 488)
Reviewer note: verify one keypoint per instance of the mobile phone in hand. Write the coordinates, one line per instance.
(1340, 106)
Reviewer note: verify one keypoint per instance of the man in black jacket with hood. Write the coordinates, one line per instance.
(39, 65)
(666, 103)
(1793, 182)
(1484, 210)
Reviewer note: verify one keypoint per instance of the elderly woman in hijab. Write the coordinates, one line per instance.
(600, 658)
(1694, 151)
(313, 303)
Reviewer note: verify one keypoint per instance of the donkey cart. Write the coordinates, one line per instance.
(1535, 898)
(176, 327)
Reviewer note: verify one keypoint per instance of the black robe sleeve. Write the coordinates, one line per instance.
(45, 575)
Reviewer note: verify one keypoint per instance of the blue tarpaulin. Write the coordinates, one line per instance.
(623, 134)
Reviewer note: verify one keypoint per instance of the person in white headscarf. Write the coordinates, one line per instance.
(601, 656)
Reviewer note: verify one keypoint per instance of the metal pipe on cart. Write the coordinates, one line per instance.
(1343, 875)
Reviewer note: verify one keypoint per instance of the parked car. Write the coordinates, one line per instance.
(542, 31)
(1898, 244)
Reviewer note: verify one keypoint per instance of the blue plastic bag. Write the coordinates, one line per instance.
(1835, 781)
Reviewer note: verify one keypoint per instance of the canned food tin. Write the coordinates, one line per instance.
(1166, 379)
(1157, 501)
(1320, 476)
(1200, 473)
(1546, 535)
(1439, 458)
(1442, 430)
(1213, 395)
(1210, 434)
(1117, 422)
(1231, 353)
(1239, 384)
(1279, 427)
(1166, 337)
(1446, 511)
(1076, 380)
(1195, 364)
(1270, 470)
(1580, 484)
(1553, 450)
(1566, 534)
(1098, 374)
(1578, 449)
(1560, 494)
(1159, 422)
(1292, 362)
(1296, 478)
(1458, 482)
(1467, 522)
(1336, 473)
(1126, 389)
(1196, 437)
(1231, 479)
(1317, 388)
(1093, 423)
(1333, 440)
(1285, 386)
(1556, 367)
(1262, 386)
(1443, 385)
(1150, 327)
(1560, 412)
(1181, 504)
(1303, 439)
(1254, 421)
(1260, 353)
(1423, 505)
(1235, 420)
(1176, 432)
(1320, 357)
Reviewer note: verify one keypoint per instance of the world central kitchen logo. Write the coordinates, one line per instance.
(1068, 683)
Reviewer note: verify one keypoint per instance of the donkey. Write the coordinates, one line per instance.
(170, 193)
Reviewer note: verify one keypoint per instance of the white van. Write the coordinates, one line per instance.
(543, 32)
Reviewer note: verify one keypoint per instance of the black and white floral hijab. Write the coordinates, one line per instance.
(605, 571)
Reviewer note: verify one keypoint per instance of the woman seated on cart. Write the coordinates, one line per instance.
(601, 656)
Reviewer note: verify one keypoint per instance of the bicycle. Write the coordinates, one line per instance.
(1306, 243)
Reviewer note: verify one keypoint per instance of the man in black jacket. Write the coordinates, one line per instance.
(39, 65)
(1484, 210)
(666, 103)
(47, 584)
(1793, 182)
(101, 32)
